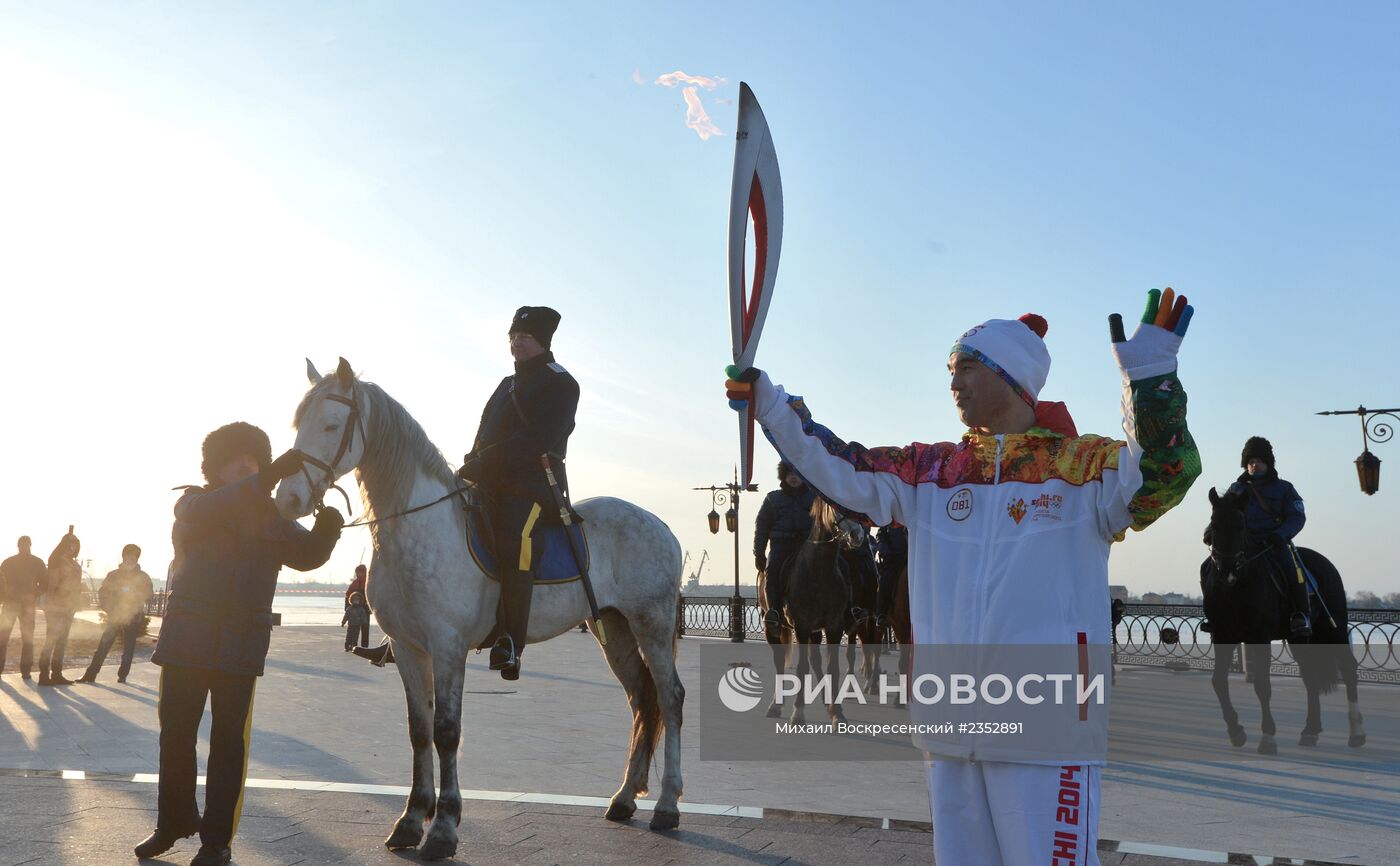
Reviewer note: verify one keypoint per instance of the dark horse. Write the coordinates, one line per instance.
(815, 606)
(1245, 604)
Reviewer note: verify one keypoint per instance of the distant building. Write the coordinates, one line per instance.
(1176, 598)
(1118, 592)
(1154, 598)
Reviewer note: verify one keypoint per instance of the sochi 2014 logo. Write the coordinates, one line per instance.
(741, 688)
(1016, 509)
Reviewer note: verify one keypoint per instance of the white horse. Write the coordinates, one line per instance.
(435, 604)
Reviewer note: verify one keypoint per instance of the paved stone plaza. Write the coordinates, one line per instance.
(539, 757)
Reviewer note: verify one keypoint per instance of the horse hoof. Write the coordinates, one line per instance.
(621, 810)
(437, 848)
(775, 711)
(405, 835)
(1268, 747)
(1307, 740)
(1238, 738)
(665, 820)
(1356, 741)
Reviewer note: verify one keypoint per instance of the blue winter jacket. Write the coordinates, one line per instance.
(1284, 516)
(784, 519)
(230, 544)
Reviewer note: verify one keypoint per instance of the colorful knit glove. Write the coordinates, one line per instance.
(1153, 347)
(738, 386)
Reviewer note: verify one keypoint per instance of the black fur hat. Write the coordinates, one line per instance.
(1257, 448)
(230, 442)
(538, 322)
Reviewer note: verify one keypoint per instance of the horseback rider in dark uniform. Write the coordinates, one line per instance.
(1273, 515)
(230, 544)
(531, 414)
(784, 521)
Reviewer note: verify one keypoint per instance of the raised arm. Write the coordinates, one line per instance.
(1159, 461)
(875, 482)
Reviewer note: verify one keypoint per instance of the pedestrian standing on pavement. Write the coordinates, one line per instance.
(123, 597)
(63, 595)
(230, 544)
(22, 580)
(357, 621)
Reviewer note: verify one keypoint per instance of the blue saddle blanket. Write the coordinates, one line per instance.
(556, 560)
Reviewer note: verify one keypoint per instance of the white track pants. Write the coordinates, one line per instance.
(995, 814)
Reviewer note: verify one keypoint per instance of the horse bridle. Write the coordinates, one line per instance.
(347, 440)
(839, 535)
(1241, 561)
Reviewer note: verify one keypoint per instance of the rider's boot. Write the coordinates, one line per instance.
(516, 592)
(1300, 624)
(379, 656)
(773, 589)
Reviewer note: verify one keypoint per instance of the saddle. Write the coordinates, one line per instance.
(556, 558)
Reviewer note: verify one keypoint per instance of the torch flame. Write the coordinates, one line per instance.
(677, 78)
(696, 117)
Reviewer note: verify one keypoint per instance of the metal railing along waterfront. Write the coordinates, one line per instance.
(1160, 635)
(1170, 635)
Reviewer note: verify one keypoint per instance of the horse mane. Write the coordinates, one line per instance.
(823, 519)
(396, 448)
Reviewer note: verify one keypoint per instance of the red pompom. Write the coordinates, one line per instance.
(1036, 323)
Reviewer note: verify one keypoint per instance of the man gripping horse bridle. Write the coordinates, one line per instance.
(1009, 535)
(531, 414)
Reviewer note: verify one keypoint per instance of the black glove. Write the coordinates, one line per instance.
(471, 469)
(328, 521)
(759, 562)
(288, 464)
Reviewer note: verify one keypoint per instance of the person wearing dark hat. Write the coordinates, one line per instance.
(531, 414)
(22, 580)
(783, 523)
(1273, 515)
(230, 544)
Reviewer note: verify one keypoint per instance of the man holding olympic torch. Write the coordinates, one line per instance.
(984, 568)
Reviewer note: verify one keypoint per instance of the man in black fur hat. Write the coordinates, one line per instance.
(230, 543)
(530, 415)
(1273, 514)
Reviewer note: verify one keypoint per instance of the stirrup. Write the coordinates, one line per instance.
(1300, 626)
(773, 618)
(379, 656)
(503, 656)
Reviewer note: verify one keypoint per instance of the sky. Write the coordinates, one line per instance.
(196, 197)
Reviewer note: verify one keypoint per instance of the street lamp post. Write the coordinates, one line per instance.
(728, 494)
(1368, 465)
